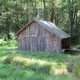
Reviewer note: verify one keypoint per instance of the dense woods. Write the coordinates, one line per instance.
(15, 14)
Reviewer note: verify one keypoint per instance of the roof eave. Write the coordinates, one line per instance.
(50, 31)
(23, 28)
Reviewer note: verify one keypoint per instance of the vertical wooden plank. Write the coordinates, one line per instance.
(57, 46)
(23, 43)
(23, 33)
(58, 49)
(48, 34)
(59, 42)
(34, 44)
(35, 29)
(19, 43)
(27, 43)
(45, 32)
(55, 43)
(31, 44)
(31, 30)
(40, 30)
(41, 44)
(38, 43)
(46, 47)
(27, 31)
(52, 45)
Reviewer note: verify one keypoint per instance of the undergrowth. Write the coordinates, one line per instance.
(74, 66)
(40, 66)
(9, 43)
(29, 65)
(78, 46)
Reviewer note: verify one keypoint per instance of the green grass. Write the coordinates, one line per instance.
(9, 72)
(28, 65)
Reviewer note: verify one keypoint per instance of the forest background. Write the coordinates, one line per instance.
(15, 14)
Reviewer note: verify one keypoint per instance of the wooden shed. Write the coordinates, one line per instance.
(43, 36)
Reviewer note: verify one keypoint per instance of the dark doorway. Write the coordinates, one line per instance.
(66, 43)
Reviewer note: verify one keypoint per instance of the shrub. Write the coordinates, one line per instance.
(74, 66)
(9, 43)
(78, 46)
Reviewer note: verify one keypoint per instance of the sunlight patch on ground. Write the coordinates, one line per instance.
(60, 71)
(1, 40)
(52, 66)
(3, 58)
(34, 60)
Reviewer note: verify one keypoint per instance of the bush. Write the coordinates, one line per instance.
(74, 66)
(78, 46)
(9, 43)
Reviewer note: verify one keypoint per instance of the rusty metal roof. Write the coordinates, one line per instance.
(50, 27)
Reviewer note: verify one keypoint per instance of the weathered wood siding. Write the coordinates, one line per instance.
(36, 38)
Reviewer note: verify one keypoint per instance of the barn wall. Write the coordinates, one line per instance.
(21, 41)
(37, 38)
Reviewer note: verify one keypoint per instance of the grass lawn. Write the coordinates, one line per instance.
(28, 65)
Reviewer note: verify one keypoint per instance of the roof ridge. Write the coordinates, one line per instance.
(50, 27)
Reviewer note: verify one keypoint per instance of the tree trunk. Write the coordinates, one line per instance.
(8, 36)
(27, 11)
(52, 12)
(44, 13)
(71, 20)
(52, 15)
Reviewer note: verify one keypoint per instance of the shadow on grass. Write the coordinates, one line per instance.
(59, 58)
(19, 69)
(8, 72)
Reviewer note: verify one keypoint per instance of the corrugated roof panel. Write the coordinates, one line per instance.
(50, 27)
(53, 29)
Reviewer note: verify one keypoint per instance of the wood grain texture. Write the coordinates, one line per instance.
(36, 38)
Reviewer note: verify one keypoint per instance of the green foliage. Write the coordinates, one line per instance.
(78, 46)
(74, 66)
(15, 14)
(8, 43)
(8, 72)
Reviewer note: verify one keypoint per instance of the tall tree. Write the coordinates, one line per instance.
(45, 12)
